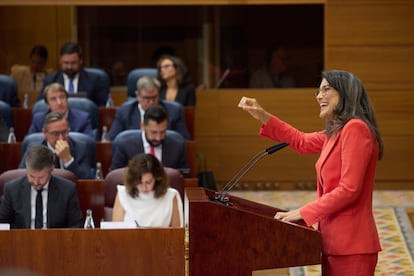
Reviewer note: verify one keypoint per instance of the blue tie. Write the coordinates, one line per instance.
(71, 89)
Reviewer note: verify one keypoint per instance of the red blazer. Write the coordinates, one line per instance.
(345, 179)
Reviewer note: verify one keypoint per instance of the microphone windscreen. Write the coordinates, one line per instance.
(275, 148)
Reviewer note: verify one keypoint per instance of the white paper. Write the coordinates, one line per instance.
(4, 226)
(118, 225)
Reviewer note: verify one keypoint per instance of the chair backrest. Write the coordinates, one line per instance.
(116, 177)
(80, 103)
(8, 91)
(16, 173)
(37, 138)
(102, 75)
(137, 132)
(133, 77)
(7, 113)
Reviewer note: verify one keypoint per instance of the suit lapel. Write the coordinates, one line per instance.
(326, 151)
(51, 204)
(27, 204)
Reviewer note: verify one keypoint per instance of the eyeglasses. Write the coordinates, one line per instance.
(165, 66)
(56, 134)
(149, 98)
(323, 91)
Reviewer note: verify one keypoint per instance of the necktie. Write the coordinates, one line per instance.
(39, 209)
(56, 161)
(152, 151)
(71, 87)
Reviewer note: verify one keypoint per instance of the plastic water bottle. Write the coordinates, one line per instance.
(89, 224)
(109, 101)
(12, 136)
(26, 101)
(105, 135)
(99, 173)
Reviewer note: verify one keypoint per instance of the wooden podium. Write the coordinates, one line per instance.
(144, 251)
(244, 237)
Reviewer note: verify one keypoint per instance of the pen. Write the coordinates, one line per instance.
(136, 223)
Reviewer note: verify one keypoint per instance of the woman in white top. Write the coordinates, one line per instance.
(146, 197)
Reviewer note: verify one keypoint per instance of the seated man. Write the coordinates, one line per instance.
(275, 72)
(70, 155)
(154, 140)
(74, 78)
(130, 114)
(56, 99)
(25, 198)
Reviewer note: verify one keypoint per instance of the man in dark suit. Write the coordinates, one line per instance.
(131, 113)
(74, 78)
(70, 155)
(39, 199)
(8, 91)
(56, 99)
(154, 139)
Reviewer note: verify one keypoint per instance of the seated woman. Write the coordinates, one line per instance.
(29, 78)
(146, 197)
(175, 86)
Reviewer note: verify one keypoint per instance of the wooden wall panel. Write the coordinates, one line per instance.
(228, 136)
(156, 2)
(23, 27)
(387, 68)
(373, 39)
(369, 23)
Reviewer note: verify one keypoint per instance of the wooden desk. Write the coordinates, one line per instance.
(22, 118)
(104, 155)
(106, 117)
(11, 155)
(151, 251)
(244, 237)
(91, 196)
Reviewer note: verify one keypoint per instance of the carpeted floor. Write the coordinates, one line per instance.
(394, 227)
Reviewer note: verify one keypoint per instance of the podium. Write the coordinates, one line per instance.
(143, 251)
(244, 237)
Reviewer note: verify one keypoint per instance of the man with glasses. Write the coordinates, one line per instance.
(74, 78)
(131, 114)
(69, 154)
(40, 200)
(56, 99)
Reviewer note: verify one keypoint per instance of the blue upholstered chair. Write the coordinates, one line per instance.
(116, 177)
(8, 91)
(102, 75)
(133, 77)
(137, 132)
(7, 113)
(37, 138)
(79, 103)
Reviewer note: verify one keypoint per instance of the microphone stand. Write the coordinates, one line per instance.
(223, 195)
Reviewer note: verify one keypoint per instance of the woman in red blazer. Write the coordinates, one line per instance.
(349, 148)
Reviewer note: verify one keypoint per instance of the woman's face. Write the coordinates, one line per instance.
(167, 69)
(147, 183)
(328, 99)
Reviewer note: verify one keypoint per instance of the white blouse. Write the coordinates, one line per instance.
(149, 211)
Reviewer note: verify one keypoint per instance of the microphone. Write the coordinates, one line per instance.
(223, 77)
(223, 196)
